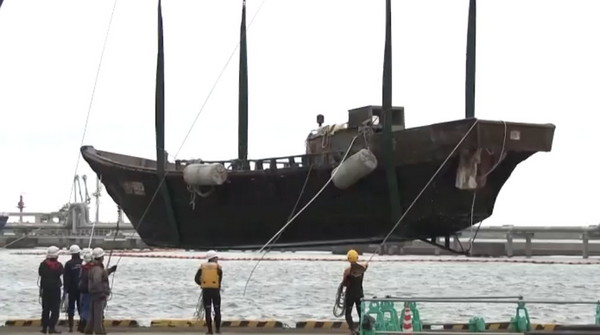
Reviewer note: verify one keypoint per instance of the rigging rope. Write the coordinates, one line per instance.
(87, 118)
(141, 220)
(471, 240)
(305, 206)
(311, 200)
(289, 218)
(422, 190)
(192, 126)
(473, 236)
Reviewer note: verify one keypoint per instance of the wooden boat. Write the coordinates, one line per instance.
(439, 178)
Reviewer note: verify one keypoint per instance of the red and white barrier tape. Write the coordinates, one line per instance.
(144, 254)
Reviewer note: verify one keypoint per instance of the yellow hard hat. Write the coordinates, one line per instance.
(352, 256)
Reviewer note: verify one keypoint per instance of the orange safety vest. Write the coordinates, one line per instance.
(209, 278)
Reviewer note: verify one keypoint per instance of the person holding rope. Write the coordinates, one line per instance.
(209, 276)
(71, 277)
(352, 280)
(99, 291)
(83, 289)
(50, 271)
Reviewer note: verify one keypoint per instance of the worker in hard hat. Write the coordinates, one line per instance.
(71, 276)
(352, 280)
(99, 291)
(209, 276)
(50, 271)
(83, 289)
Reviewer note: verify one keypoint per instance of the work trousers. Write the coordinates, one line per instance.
(95, 323)
(351, 301)
(212, 296)
(73, 300)
(50, 307)
(85, 306)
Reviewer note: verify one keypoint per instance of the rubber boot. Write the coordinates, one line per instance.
(70, 323)
(208, 321)
(81, 326)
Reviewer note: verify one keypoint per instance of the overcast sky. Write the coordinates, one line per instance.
(537, 61)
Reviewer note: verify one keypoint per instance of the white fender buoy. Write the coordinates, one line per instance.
(354, 168)
(205, 174)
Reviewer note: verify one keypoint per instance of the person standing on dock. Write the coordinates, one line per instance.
(50, 271)
(99, 291)
(352, 280)
(71, 276)
(83, 289)
(209, 276)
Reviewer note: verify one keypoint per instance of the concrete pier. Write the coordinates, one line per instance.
(42, 240)
(505, 241)
(140, 331)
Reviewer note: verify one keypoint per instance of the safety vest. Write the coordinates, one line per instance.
(209, 278)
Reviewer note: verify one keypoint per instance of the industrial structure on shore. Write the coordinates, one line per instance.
(69, 225)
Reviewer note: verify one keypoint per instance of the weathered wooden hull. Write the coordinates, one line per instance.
(246, 211)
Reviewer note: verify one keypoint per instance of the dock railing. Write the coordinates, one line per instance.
(380, 316)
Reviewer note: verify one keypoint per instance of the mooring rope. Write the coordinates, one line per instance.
(380, 248)
(162, 180)
(87, 118)
(280, 231)
(311, 200)
(473, 236)
(289, 218)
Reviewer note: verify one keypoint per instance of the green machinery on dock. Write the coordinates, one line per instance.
(379, 315)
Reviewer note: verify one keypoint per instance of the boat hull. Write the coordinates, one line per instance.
(246, 211)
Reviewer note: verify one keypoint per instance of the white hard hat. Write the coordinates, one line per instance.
(87, 255)
(97, 253)
(74, 249)
(52, 252)
(211, 254)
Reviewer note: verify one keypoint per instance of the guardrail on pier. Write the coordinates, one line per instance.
(379, 315)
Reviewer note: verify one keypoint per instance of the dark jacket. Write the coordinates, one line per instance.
(98, 285)
(50, 271)
(71, 276)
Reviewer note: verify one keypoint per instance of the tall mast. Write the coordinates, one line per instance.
(243, 94)
(470, 66)
(160, 99)
(387, 117)
(160, 130)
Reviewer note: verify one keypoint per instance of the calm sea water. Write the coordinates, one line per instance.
(290, 291)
